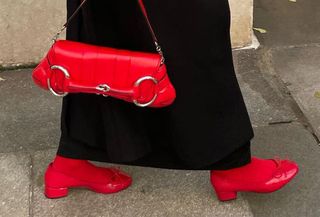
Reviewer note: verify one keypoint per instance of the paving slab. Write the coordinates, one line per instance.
(155, 192)
(310, 105)
(265, 101)
(14, 184)
(287, 23)
(29, 116)
(301, 196)
(299, 68)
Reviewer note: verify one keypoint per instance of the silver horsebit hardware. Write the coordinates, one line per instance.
(103, 87)
(66, 74)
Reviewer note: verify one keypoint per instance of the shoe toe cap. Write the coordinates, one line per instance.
(290, 168)
(285, 172)
(121, 178)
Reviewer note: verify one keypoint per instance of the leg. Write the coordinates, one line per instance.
(238, 158)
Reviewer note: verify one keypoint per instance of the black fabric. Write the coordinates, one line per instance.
(207, 123)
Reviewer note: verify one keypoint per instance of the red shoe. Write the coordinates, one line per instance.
(65, 173)
(260, 176)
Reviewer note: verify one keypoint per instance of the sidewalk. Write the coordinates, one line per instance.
(278, 82)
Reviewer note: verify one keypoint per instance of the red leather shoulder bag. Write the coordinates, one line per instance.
(133, 76)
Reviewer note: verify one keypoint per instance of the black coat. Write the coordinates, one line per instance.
(207, 121)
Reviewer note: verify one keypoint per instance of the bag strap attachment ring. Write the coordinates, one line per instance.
(66, 74)
(137, 84)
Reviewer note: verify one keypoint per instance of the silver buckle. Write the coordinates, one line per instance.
(66, 74)
(103, 88)
(138, 82)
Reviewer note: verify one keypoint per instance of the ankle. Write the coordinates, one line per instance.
(63, 163)
(256, 170)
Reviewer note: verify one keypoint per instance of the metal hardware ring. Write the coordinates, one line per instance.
(66, 74)
(137, 83)
(103, 88)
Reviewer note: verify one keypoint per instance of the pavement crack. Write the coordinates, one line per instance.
(280, 122)
(316, 138)
(311, 130)
(12, 67)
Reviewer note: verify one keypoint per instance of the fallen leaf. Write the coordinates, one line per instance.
(260, 30)
(294, 1)
(2, 79)
(317, 94)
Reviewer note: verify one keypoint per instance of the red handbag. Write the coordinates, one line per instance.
(133, 76)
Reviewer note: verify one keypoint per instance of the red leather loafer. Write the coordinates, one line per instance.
(254, 177)
(87, 175)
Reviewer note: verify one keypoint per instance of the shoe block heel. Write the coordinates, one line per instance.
(225, 196)
(52, 193)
